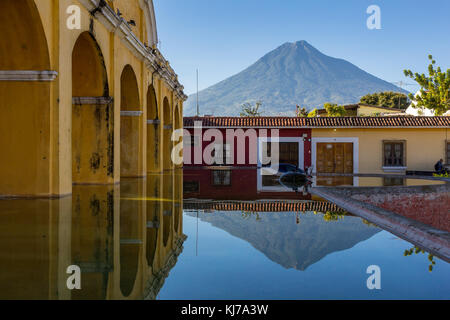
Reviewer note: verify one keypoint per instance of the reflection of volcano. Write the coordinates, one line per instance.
(289, 244)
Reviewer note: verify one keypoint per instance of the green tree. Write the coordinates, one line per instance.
(249, 110)
(314, 113)
(387, 99)
(435, 88)
(301, 112)
(334, 110)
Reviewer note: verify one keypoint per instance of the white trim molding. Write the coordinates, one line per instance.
(395, 169)
(155, 122)
(151, 56)
(27, 75)
(131, 113)
(355, 141)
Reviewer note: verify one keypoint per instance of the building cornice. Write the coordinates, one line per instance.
(151, 56)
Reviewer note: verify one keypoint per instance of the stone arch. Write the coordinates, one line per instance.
(153, 131)
(130, 124)
(25, 102)
(167, 134)
(92, 115)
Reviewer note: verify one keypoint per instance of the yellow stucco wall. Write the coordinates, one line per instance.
(424, 147)
(46, 168)
(369, 111)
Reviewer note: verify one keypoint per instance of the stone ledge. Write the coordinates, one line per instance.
(435, 241)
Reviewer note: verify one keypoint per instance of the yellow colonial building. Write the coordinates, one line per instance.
(85, 95)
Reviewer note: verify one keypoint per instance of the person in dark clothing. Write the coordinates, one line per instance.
(439, 167)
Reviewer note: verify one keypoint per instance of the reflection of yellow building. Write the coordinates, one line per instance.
(115, 234)
(83, 106)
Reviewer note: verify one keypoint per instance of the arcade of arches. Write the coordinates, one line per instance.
(86, 119)
(82, 107)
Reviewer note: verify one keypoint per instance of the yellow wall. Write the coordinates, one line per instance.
(369, 111)
(37, 131)
(424, 147)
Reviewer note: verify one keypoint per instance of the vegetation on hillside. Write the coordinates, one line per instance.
(249, 110)
(333, 110)
(387, 99)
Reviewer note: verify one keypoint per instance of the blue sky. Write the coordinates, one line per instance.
(221, 38)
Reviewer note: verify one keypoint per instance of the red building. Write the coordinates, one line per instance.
(233, 171)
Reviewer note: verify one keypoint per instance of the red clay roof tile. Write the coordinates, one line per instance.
(320, 122)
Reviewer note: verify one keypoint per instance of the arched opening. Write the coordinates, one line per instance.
(153, 127)
(130, 235)
(24, 104)
(153, 219)
(130, 124)
(92, 115)
(167, 135)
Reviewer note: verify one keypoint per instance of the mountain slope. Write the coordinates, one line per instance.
(284, 242)
(295, 73)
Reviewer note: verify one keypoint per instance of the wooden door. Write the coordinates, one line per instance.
(335, 158)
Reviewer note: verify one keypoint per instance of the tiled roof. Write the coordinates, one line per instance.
(320, 122)
(262, 206)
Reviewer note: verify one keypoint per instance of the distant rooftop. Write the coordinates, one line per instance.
(354, 107)
(320, 122)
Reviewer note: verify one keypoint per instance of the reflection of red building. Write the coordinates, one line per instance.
(234, 172)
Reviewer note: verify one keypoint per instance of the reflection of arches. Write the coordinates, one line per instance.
(130, 236)
(167, 134)
(153, 210)
(167, 206)
(92, 238)
(153, 138)
(178, 206)
(25, 105)
(130, 124)
(92, 115)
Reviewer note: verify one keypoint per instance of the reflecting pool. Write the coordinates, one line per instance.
(220, 238)
(290, 255)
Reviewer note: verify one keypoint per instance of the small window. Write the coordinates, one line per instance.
(394, 154)
(191, 141)
(447, 145)
(221, 178)
(288, 152)
(223, 157)
(191, 187)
